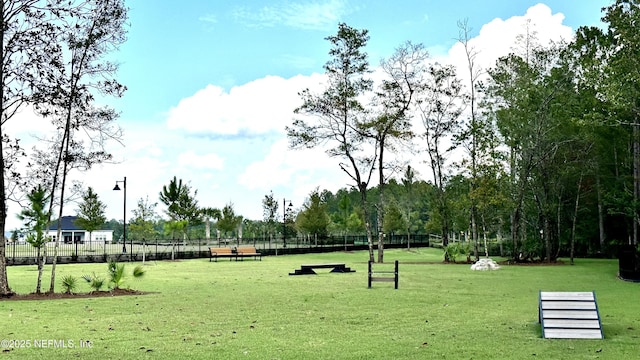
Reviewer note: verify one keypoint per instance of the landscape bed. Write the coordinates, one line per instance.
(255, 310)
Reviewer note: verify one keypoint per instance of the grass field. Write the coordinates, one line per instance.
(255, 310)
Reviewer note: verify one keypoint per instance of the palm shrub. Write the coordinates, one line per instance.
(452, 251)
(96, 283)
(69, 284)
(117, 274)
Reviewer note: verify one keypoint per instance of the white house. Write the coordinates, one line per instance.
(72, 233)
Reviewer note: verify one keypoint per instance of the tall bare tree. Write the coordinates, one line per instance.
(440, 105)
(339, 114)
(391, 127)
(28, 50)
(94, 28)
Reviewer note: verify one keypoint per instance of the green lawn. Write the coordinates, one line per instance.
(255, 310)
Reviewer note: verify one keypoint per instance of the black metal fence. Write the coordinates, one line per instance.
(25, 254)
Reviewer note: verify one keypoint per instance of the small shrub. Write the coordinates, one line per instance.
(452, 251)
(69, 284)
(117, 274)
(138, 271)
(95, 282)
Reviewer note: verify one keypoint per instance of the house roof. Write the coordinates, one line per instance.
(69, 224)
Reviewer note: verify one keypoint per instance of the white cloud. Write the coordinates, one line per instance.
(291, 168)
(261, 106)
(499, 38)
(231, 146)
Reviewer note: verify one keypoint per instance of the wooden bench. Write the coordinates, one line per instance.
(247, 251)
(569, 315)
(215, 253)
(307, 269)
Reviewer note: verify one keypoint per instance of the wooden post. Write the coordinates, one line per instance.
(369, 277)
(395, 280)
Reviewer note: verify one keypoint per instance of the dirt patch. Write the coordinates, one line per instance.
(56, 296)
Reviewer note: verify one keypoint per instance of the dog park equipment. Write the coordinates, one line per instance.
(375, 275)
(307, 269)
(569, 315)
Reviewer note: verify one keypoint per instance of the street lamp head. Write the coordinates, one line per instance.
(116, 187)
(290, 204)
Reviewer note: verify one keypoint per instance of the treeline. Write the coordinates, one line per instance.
(549, 138)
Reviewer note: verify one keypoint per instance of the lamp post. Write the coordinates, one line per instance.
(124, 217)
(284, 221)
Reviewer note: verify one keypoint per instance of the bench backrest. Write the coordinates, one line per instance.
(247, 250)
(220, 250)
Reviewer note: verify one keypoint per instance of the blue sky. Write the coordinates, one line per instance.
(178, 48)
(212, 84)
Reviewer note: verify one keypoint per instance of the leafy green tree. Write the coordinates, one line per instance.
(407, 201)
(144, 219)
(91, 213)
(338, 114)
(313, 219)
(36, 219)
(270, 214)
(229, 220)
(340, 216)
(612, 57)
(536, 115)
(394, 220)
(608, 135)
(170, 196)
(355, 221)
(172, 227)
(181, 204)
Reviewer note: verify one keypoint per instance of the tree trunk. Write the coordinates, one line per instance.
(484, 237)
(600, 211)
(474, 233)
(4, 282)
(547, 238)
(574, 221)
(367, 222)
(636, 179)
(40, 268)
(380, 228)
(381, 183)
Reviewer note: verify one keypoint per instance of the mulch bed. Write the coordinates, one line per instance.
(56, 296)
